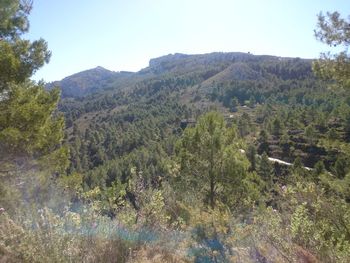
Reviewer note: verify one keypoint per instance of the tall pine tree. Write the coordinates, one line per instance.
(212, 164)
(31, 130)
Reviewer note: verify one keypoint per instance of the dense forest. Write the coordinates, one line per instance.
(220, 157)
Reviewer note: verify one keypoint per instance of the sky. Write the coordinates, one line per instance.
(126, 34)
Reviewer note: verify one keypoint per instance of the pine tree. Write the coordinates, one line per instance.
(251, 155)
(335, 32)
(277, 127)
(266, 171)
(31, 130)
(234, 104)
(311, 134)
(19, 58)
(341, 167)
(319, 169)
(252, 102)
(263, 142)
(211, 164)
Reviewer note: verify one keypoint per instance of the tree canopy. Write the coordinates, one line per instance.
(334, 31)
(211, 160)
(31, 130)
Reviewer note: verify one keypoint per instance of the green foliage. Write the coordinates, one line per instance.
(311, 134)
(339, 187)
(244, 125)
(270, 236)
(212, 164)
(263, 141)
(252, 157)
(341, 166)
(266, 171)
(252, 102)
(309, 224)
(319, 168)
(31, 137)
(19, 58)
(13, 21)
(277, 128)
(72, 237)
(28, 127)
(334, 31)
(234, 104)
(319, 221)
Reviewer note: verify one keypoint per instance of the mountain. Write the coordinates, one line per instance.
(88, 81)
(181, 63)
(208, 68)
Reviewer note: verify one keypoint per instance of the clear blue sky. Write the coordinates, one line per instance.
(125, 34)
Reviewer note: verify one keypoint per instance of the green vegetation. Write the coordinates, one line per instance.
(334, 31)
(174, 163)
(31, 131)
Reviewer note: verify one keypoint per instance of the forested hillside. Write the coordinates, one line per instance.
(220, 157)
(279, 99)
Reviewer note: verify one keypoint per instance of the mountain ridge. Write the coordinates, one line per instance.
(217, 66)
